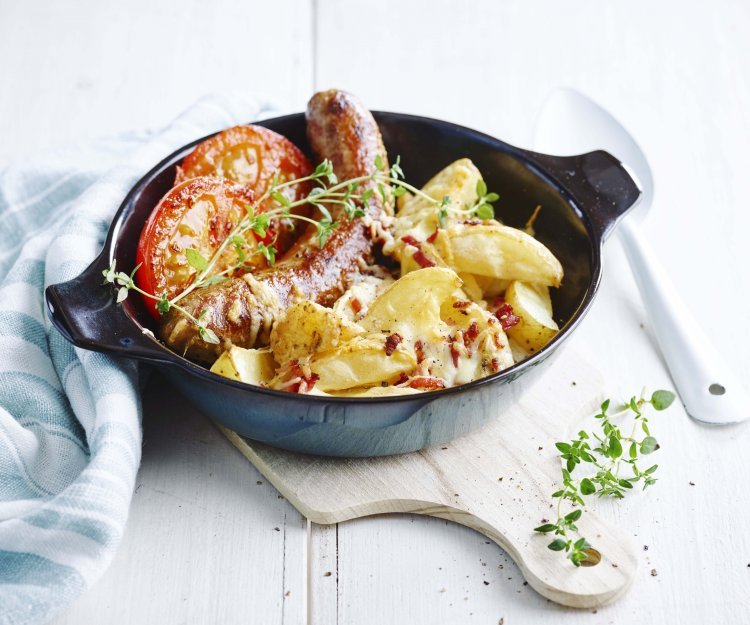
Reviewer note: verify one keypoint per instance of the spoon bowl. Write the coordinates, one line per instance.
(570, 122)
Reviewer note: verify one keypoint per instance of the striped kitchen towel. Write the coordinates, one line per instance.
(70, 430)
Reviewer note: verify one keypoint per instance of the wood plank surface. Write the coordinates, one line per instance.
(677, 73)
(208, 539)
(496, 480)
(78, 70)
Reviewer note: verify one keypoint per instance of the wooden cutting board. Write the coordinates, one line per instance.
(496, 480)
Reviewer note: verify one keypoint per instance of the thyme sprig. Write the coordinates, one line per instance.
(607, 451)
(481, 209)
(353, 196)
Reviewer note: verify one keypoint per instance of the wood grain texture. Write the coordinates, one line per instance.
(678, 76)
(75, 71)
(496, 480)
(677, 73)
(203, 526)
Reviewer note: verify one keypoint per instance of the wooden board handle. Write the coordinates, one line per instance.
(497, 480)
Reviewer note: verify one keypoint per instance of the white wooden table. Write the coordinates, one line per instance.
(208, 540)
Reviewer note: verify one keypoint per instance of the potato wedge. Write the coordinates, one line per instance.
(503, 252)
(536, 327)
(362, 361)
(471, 287)
(491, 287)
(354, 303)
(254, 366)
(409, 264)
(411, 306)
(307, 328)
(419, 217)
(544, 298)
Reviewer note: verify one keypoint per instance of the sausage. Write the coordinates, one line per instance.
(242, 311)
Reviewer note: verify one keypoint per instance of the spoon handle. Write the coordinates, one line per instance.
(709, 391)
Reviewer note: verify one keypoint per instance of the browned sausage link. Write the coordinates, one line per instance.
(241, 311)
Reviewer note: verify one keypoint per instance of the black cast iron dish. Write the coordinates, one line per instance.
(582, 197)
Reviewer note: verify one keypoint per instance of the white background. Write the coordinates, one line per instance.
(202, 544)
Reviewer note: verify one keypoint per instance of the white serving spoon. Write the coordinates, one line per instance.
(571, 123)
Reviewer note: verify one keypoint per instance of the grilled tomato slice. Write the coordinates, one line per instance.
(214, 184)
(197, 214)
(246, 154)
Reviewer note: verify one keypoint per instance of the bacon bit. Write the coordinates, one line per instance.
(422, 260)
(433, 236)
(419, 349)
(427, 383)
(402, 379)
(391, 343)
(410, 240)
(496, 340)
(461, 304)
(306, 385)
(356, 305)
(495, 365)
(471, 334)
(418, 256)
(504, 313)
(506, 317)
(471, 222)
(307, 378)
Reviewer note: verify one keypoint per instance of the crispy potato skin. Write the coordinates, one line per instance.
(341, 129)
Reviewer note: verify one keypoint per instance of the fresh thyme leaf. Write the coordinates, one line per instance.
(325, 229)
(557, 545)
(281, 198)
(259, 224)
(605, 460)
(615, 447)
(163, 304)
(383, 194)
(396, 171)
(398, 191)
(378, 162)
(314, 193)
(326, 213)
(546, 528)
(649, 445)
(109, 274)
(323, 169)
(122, 294)
(195, 259)
(485, 211)
(661, 400)
(208, 335)
(123, 279)
(268, 252)
(587, 487)
(481, 188)
(443, 210)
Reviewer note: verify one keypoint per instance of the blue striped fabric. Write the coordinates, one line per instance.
(70, 429)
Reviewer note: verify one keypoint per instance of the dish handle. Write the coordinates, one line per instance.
(85, 312)
(602, 187)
